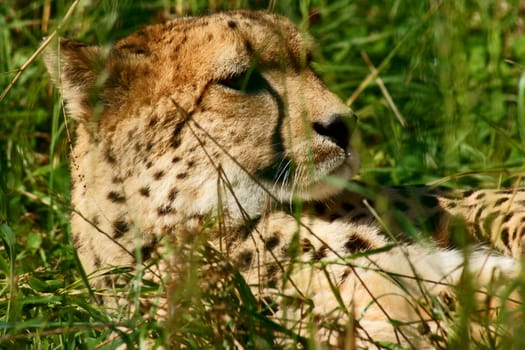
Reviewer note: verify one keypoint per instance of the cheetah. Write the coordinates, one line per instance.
(217, 127)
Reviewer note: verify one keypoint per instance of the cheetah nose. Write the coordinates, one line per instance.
(337, 129)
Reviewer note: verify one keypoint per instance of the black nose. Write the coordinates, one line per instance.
(337, 129)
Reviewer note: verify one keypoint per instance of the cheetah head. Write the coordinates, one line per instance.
(227, 101)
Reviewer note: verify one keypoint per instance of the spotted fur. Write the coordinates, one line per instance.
(220, 122)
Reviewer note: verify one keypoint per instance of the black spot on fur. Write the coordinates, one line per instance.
(355, 244)
(321, 253)
(175, 141)
(346, 273)
(244, 232)
(109, 157)
(190, 163)
(467, 193)
(480, 195)
(306, 245)
(120, 228)
(505, 237)
(273, 241)
(173, 194)
(95, 220)
(116, 197)
(97, 261)
(489, 220)
(508, 217)
(500, 201)
(116, 180)
(165, 210)
(109, 282)
(147, 251)
(158, 175)
(271, 273)
(175, 159)
(181, 176)
(149, 147)
(232, 24)
(244, 260)
(429, 201)
(149, 164)
(144, 191)
(477, 214)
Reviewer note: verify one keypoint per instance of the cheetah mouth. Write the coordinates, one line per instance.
(326, 181)
(313, 180)
(334, 166)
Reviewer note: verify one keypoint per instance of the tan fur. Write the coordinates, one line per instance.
(165, 144)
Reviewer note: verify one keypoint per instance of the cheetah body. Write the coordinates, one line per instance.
(219, 122)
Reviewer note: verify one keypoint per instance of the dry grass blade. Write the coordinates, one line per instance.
(39, 50)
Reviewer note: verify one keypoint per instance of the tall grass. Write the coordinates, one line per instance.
(445, 104)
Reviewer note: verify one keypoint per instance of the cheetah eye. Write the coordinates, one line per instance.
(249, 81)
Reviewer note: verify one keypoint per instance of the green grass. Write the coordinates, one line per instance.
(452, 110)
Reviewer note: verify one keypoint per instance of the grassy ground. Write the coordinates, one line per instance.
(447, 105)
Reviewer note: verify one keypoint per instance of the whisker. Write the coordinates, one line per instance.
(297, 173)
(281, 172)
(284, 183)
(281, 169)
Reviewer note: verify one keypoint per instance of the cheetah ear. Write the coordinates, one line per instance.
(77, 70)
